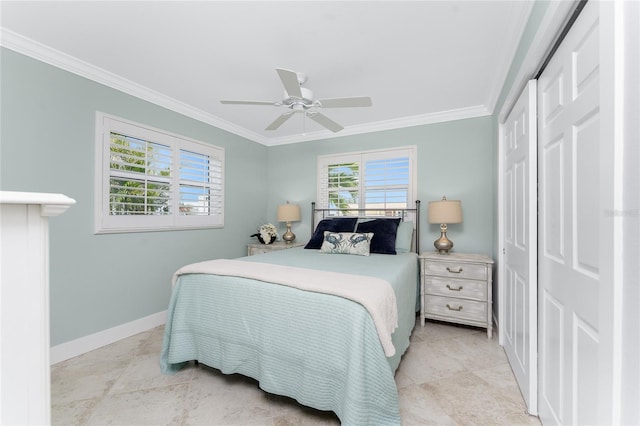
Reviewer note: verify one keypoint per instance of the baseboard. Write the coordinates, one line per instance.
(496, 327)
(88, 343)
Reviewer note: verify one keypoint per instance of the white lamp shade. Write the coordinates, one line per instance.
(445, 211)
(288, 213)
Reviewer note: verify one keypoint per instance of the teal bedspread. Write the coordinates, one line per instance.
(319, 349)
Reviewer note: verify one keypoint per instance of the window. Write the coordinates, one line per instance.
(148, 179)
(367, 180)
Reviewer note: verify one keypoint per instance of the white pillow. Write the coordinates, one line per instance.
(346, 243)
(404, 237)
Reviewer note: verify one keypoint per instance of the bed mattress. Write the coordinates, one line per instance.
(320, 349)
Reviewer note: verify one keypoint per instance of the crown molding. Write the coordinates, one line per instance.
(416, 120)
(23, 45)
(36, 50)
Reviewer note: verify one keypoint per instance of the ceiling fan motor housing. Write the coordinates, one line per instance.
(305, 102)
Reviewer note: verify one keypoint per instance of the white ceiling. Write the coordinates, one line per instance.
(419, 61)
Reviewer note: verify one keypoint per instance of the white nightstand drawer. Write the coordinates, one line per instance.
(453, 287)
(457, 308)
(457, 270)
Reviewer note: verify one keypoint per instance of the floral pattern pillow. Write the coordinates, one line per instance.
(346, 243)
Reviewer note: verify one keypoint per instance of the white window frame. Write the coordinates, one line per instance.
(105, 223)
(361, 157)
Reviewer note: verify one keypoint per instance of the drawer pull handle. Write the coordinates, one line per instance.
(453, 271)
(459, 308)
(454, 289)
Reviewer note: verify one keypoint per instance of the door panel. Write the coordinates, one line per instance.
(551, 373)
(552, 186)
(519, 316)
(586, 161)
(586, 366)
(569, 202)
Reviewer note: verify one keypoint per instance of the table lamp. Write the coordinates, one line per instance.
(444, 212)
(288, 213)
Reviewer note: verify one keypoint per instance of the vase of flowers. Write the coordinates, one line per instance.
(267, 233)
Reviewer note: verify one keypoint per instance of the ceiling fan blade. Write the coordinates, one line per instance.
(362, 101)
(279, 121)
(290, 81)
(325, 121)
(248, 102)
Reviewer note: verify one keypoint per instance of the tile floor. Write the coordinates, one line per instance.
(450, 375)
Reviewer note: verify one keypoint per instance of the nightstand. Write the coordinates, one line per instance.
(259, 248)
(456, 287)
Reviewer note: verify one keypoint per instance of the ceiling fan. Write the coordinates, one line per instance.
(298, 99)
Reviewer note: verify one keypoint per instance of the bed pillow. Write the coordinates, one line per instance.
(404, 237)
(346, 243)
(343, 224)
(384, 234)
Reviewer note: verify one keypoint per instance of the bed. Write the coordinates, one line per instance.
(265, 317)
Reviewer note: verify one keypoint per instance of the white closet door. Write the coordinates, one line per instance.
(519, 299)
(572, 245)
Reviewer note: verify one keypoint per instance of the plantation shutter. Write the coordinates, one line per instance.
(368, 180)
(339, 182)
(148, 179)
(200, 184)
(386, 182)
(140, 177)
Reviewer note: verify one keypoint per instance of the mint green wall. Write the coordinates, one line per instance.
(47, 145)
(454, 159)
(538, 12)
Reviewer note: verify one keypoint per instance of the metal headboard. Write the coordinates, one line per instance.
(395, 213)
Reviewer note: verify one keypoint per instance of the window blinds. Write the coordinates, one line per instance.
(368, 180)
(140, 178)
(200, 184)
(149, 179)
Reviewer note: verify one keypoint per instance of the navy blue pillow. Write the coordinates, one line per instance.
(384, 234)
(343, 224)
